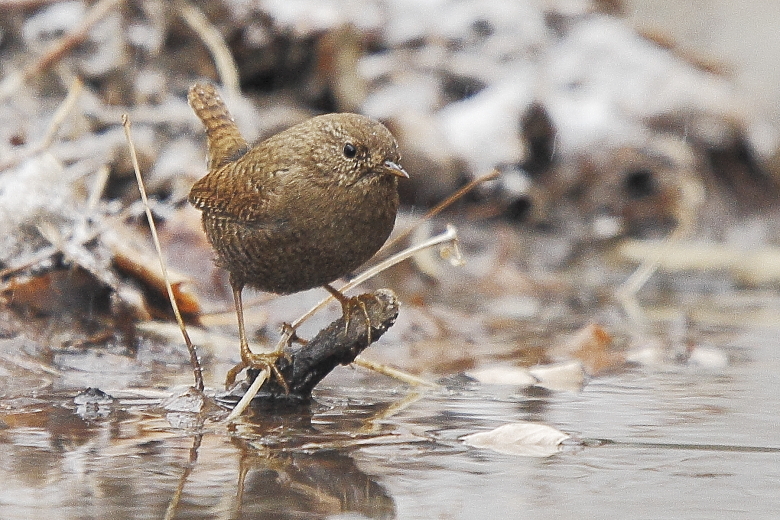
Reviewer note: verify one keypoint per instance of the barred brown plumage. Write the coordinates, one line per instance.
(298, 210)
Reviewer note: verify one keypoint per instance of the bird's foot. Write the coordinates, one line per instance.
(259, 362)
(357, 302)
(349, 303)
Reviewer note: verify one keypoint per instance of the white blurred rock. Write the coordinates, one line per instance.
(408, 92)
(177, 164)
(107, 38)
(308, 16)
(427, 156)
(603, 80)
(34, 193)
(649, 352)
(521, 21)
(513, 306)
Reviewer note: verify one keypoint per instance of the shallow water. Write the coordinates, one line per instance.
(667, 440)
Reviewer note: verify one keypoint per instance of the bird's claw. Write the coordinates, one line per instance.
(348, 307)
(259, 362)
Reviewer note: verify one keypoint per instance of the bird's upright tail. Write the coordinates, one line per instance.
(225, 142)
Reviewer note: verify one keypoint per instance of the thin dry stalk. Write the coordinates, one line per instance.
(691, 198)
(98, 187)
(194, 362)
(642, 274)
(173, 505)
(441, 206)
(214, 42)
(376, 422)
(448, 239)
(246, 399)
(393, 372)
(74, 90)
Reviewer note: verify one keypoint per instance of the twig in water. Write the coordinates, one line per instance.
(246, 399)
(173, 505)
(393, 372)
(194, 362)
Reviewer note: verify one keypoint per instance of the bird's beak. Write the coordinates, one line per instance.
(396, 169)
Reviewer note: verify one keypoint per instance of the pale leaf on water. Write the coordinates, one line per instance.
(521, 438)
(560, 376)
(569, 376)
(503, 375)
(708, 358)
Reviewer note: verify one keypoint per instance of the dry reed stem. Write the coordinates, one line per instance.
(449, 238)
(691, 199)
(194, 362)
(246, 399)
(214, 42)
(74, 90)
(441, 206)
(393, 372)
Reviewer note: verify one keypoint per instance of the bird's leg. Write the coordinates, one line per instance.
(248, 358)
(347, 304)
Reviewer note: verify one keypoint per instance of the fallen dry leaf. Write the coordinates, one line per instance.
(144, 266)
(592, 345)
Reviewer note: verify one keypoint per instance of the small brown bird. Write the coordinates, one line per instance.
(298, 210)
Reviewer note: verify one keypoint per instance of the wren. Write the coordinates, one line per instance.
(298, 210)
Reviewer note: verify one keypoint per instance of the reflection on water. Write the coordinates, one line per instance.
(132, 464)
(679, 441)
(664, 438)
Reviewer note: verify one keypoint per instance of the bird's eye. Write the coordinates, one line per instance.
(350, 151)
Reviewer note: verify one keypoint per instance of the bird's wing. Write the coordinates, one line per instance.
(250, 199)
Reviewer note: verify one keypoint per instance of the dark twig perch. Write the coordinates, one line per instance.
(304, 366)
